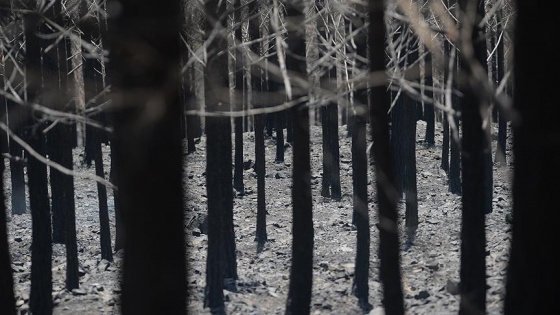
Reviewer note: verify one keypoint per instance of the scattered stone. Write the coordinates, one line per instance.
(452, 287)
(432, 265)
(422, 295)
(79, 292)
(103, 264)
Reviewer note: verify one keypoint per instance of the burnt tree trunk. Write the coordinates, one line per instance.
(532, 273)
(388, 252)
(40, 300)
(473, 238)
(149, 170)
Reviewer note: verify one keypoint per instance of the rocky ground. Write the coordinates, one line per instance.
(430, 268)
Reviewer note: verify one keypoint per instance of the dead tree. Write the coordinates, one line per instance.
(148, 155)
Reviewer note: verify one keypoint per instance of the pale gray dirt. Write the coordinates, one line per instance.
(263, 278)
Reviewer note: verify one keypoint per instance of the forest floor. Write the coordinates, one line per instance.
(430, 268)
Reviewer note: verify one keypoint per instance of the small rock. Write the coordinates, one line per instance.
(18, 239)
(452, 287)
(279, 175)
(79, 292)
(324, 265)
(377, 311)
(432, 265)
(103, 264)
(422, 295)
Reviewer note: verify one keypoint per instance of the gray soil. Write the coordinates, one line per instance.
(430, 268)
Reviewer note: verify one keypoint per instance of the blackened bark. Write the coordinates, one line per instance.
(148, 155)
(260, 27)
(473, 238)
(240, 86)
(429, 110)
(55, 69)
(217, 186)
(238, 166)
(301, 273)
(409, 161)
(532, 273)
(289, 127)
(219, 176)
(261, 234)
(92, 86)
(387, 195)
(397, 143)
(330, 186)
(40, 300)
(445, 144)
(269, 121)
(16, 117)
(446, 136)
(454, 174)
(8, 305)
(360, 286)
(104, 225)
(500, 65)
(17, 165)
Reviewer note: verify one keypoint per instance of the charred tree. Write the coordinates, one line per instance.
(532, 272)
(454, 174)
(148, 154)
(473, 238)
(387, 197)
(301, 272)
(16, 117)
(260, 84)
(360, 286)
(429, 110)
(500, 65)
(57, 95)
(40, 300)
(221, 265)
(241, 14)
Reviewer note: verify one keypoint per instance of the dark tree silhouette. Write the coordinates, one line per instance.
(330, 184)
(447, 68)
(301, 273)
(8, 305)
(405, 142)
(533, 274)
(360, 285)
(94, 96)
(240, 85)
(387, 195)
(221, 264)
(454, 174)
(473, 239)
(279, 122)
(260, 84)
(40, 300)
(301, 270)
(148, 154)
(500, 65)
(16, 114)
(59, 139)
(429, 110)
